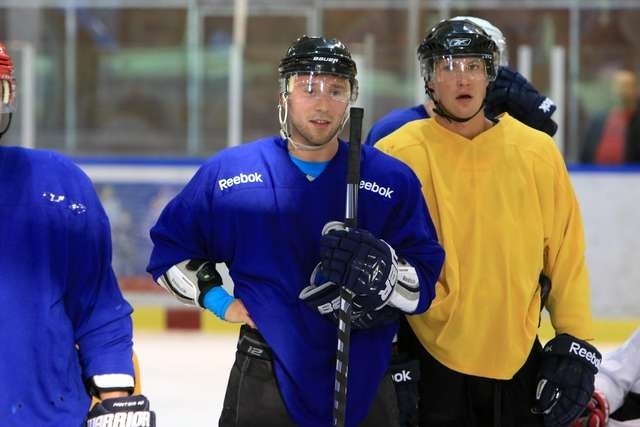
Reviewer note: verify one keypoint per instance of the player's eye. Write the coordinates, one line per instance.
(474, 66)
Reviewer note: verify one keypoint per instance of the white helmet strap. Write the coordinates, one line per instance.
(285, 133)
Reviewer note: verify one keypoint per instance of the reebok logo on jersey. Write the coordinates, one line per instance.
(375, 188)
(239, 179)
(582, 352)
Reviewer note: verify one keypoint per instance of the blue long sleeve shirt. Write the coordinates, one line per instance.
(63, 317)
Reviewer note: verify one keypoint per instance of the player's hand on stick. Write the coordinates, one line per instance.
(356, 259)
(323, 297)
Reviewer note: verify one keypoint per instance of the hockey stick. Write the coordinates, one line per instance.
(346, 296)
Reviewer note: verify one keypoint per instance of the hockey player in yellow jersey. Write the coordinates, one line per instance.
(505, 211)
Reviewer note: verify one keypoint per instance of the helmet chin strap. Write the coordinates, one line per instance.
(441, 111)
(283, 114)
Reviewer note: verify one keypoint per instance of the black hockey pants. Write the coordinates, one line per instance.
(449, 398)
(253, 398)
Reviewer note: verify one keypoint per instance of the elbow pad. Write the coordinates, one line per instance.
(190, 280)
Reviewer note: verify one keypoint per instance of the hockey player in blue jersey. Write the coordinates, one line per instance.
(510, 92)
(66, 329)
(271, 211)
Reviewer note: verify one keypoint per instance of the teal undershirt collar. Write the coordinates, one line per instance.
(311, 169)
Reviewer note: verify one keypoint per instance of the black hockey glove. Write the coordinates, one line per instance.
(365, 265)
(324, 297)
(566, 379)
(405, 373)
(122, 411)
(512, 93)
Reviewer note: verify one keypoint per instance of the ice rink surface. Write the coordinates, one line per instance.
(184, 375)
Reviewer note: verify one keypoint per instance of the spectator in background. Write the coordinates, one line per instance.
(613, 137)
(632, 149)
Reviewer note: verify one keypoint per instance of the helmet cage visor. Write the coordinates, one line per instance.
(472, 66)
(308, 86)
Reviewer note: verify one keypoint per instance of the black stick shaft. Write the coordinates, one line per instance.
(346, 296)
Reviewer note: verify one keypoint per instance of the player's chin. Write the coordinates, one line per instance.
(324, 137)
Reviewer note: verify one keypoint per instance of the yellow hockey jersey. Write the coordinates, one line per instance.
(505, 210)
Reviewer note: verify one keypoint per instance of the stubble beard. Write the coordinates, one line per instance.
(320, 138)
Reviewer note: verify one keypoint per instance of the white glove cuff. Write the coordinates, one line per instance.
(406, 293)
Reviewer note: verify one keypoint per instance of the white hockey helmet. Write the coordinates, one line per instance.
(493, 32)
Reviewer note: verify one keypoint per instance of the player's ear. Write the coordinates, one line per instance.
(428, 84)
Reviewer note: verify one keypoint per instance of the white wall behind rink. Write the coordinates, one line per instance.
(610, 205)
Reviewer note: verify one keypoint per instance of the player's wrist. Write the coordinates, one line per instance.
(217, 300)
(113, 394)
(99, 385)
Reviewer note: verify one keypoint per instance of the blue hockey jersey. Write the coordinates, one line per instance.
(63, 317)
(394, 120)
(253, 209)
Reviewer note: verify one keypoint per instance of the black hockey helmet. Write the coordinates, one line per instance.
(314, 55)
(318, 54)
(458, 38)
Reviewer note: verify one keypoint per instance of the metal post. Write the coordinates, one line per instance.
(557, 90)
(573, 144)
(71, 29)
(235, 73)
(27, 116)
(194, 79)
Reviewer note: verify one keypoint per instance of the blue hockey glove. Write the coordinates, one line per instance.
(565, 380)
(323, 296)
(124, 411)
(512, 93)
(365, 265)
